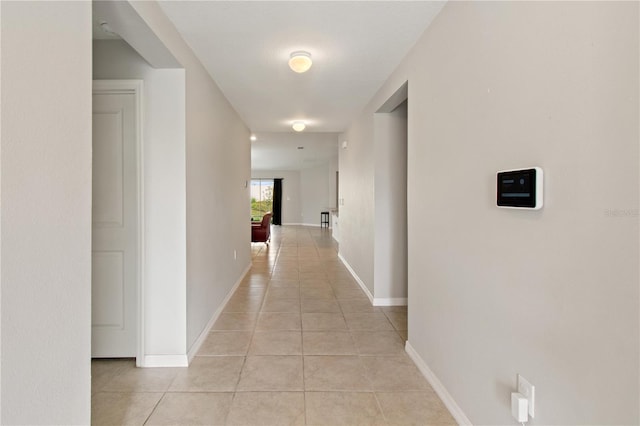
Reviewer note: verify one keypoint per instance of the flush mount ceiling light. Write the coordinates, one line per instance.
(298, 126)
(253, 138)
(300, 61)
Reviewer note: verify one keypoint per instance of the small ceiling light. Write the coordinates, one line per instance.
(298, 126)
(300, 61)
(253, 138)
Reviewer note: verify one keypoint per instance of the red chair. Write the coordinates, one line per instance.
(261, 232)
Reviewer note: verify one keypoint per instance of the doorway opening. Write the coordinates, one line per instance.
(390, 186)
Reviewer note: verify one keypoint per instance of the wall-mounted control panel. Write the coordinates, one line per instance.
(520, 189)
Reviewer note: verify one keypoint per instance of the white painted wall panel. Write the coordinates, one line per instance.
(107, 289)
(46, 212)
(108, 175)
(314, 191)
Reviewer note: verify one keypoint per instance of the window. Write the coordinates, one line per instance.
(261, 198)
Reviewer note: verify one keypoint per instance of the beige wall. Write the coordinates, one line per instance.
(46, 212)
(315, 183)
(550, 294)
(218, 163)
(356, 165)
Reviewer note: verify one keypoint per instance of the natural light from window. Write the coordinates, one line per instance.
(261, 198)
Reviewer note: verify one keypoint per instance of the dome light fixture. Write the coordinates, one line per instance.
(298, 126)
(253, 138)
(300, 61)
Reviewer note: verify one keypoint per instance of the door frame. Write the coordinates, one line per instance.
(134, 87)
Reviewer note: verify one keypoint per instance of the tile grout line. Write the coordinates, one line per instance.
(304, 383)
(146, 420)
(253, 331)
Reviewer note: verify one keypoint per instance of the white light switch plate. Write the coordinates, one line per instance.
(528, 391)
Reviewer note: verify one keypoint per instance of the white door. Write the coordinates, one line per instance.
(114, 276)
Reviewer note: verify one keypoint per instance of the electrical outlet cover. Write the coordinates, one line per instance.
(529, 392)
(519, 407)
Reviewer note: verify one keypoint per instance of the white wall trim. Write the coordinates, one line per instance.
(303, 224)
(356, 277)
(391, 301)
(136, 88)
(437, 386)
(165, 361)
(377, 301)
(201, 338)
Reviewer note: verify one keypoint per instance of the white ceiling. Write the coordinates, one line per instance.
(279, 151)
(245, 46)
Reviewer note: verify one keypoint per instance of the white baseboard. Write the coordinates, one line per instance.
(392, 301)
(356, 277)
(165, 361)
(304, 224)
(377, 301)
(436, 384)
(201, 338)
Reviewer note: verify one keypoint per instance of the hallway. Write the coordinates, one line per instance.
(298, 343)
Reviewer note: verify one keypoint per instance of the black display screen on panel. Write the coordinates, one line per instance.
(517, 188)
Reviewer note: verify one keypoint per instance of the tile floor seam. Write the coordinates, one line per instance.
(306, 420)
(304, 384)
(233, 397)
(244, 361)
(384, 416)
(366, 373)
(154, 408)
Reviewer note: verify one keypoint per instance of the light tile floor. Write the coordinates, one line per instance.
(298, 343)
